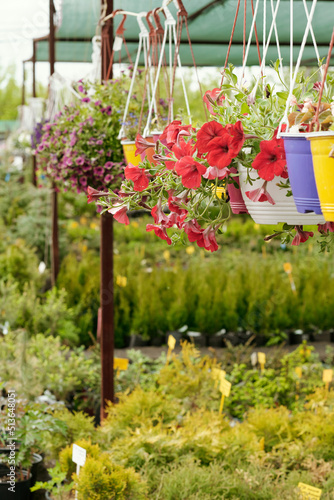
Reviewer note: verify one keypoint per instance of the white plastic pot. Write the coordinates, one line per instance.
(284, 209)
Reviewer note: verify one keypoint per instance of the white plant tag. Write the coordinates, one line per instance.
(117, 44)
(79, 455)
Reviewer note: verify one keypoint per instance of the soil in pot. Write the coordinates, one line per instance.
(13, 486)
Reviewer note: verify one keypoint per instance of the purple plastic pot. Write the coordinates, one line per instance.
(300, 168)
(236, 200)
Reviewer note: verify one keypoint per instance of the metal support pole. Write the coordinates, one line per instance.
(34, 166)
(54, 194)
(106, 256)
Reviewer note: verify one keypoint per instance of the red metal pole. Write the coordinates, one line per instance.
(107, 257)
(54, 195)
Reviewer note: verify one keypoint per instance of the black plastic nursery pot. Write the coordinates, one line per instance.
(20, 490)
(296, 338)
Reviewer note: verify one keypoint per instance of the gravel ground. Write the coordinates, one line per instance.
(154, 352)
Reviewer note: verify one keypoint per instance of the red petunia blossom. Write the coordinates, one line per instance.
(172, 132)
(158, 214)
(94, 194)
(191, 172)
(180, 150)
(216, 173)
(327, 227)
(206, 133)
(119, 213)
(160, 232)
(301, 236)
(138, 176)
(211, 97)
(237, 132)
(175, 219)
(193, 230)
(142, 145)
(174, 201)
(260, 194)
(283, 129)
(221, 151)
(271, 160)
(208, 240)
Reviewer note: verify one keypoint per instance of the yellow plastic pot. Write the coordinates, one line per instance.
(129, 149)
(322, 144)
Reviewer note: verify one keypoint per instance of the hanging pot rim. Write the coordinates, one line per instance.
(320, 134)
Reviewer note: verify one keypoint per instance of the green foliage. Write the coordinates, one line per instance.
(10, 94)
(56, 485)
(65, 456)
(101, 479)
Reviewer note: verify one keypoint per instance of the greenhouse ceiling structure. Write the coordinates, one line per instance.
(210, 23)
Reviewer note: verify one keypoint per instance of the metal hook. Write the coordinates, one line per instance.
(159, 29)
(169, 18)
(120, 30)
(181, 8)
(143, 29)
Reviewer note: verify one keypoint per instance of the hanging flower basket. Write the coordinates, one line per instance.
(129, 149)
(301, 175)
(322, 145)
(282, 208)
(237, 203)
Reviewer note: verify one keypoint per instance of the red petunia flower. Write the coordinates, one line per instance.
(120, 213)
(211, 97)
(160, 232)
(216, 173)
(208, 240)
(221, 151)
(172, 133)
(260, 194)
(301, 236)
(158, 214)
(271, 160)
(206, 133)
(191, 172)
(237, 132)
(193, 230)
(94, 194)
(328, 226)
(142, 145)
(173, 203)
(138, 176)
(180, 150)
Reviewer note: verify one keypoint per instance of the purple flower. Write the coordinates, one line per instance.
(85, 99)
(40, 147)
(83, 181)
(86, 168)
(73, 141)
(97, 103)
(80, 160)
(106, 110)
(100, 151)
(81, 89)
(90, 119)
(99, 142)
(67, 161)
(98, 171)
(108, 178)
(108, 165)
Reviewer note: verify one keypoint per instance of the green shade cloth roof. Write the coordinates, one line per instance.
(210, 24)
(8, 125)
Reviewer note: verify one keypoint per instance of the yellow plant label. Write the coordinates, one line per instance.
(309, 492)
(327, 376)
(261, 443)
(225, 387)
(261, 357)
(121, 363)
(166, 255)
(171, 342)
(299, 371)
(287, 267)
